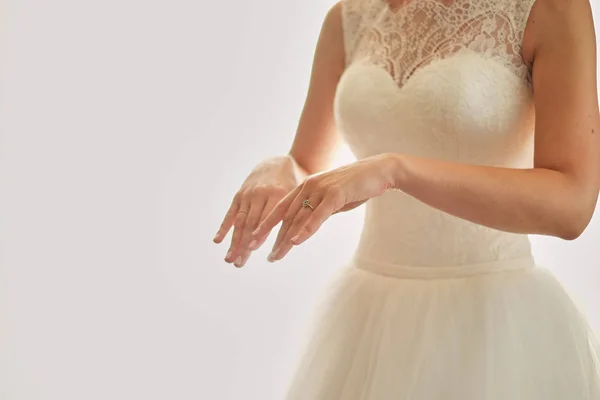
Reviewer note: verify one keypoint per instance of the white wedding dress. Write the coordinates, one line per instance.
(433, 307)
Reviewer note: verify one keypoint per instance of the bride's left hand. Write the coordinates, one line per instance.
(328, 193)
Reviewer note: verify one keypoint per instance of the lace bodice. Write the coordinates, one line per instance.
(420, 31)
(435, 80)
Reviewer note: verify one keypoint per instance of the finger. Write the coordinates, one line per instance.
(252, 220)
(312, 224)
(257, 242)
(242, 258)
(303, 216)
(228, 220)
(286, 221)
(238, 227)
(254, 244)
(276, 215)
(294, 218)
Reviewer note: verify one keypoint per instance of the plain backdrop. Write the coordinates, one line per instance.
(126, 126)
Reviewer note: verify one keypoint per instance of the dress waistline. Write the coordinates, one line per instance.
(443, 272)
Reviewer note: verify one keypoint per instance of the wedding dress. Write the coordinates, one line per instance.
(431, 306)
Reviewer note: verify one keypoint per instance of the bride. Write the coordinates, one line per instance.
(474, 123)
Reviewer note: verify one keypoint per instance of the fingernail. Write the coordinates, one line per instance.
(216, 238)
(229, 254)
(295, 239)
(253, 244)
(238, 261)
(271, 257)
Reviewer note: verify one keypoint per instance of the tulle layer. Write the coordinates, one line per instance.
(507, 335)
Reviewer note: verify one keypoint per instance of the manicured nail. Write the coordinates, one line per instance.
(229, 254)
(238, 261)
(216, 238)
(271, 257)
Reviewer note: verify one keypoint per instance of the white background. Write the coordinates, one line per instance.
(126, 127)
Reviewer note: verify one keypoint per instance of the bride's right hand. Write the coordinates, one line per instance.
(315, 141)
(268, 183)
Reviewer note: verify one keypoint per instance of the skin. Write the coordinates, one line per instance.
(556, 197)
(314, 144)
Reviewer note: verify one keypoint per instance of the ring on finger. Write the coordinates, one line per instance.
(307, 204)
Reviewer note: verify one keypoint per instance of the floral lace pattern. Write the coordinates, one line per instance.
(421, 31)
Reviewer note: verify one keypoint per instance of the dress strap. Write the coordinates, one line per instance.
(520, 15)
(356, 15)
(351, 19)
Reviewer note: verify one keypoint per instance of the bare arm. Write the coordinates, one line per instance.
(316, 137)
(558, 196)
(311, 151)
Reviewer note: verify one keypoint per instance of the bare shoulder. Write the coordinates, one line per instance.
(336, 8)
(554, 24)
(331, 40)
(334, 15)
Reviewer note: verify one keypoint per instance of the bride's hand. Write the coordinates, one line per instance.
(267, 184)
(304, 209)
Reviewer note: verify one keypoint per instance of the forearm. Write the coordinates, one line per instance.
(533, 201)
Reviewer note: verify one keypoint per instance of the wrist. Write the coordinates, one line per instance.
(395, 170)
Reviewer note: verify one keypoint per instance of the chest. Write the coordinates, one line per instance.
(406, 36)
(465, 107)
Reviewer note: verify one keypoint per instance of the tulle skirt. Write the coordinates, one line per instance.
(506, 334)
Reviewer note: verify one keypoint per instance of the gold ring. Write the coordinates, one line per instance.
(306, 203)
